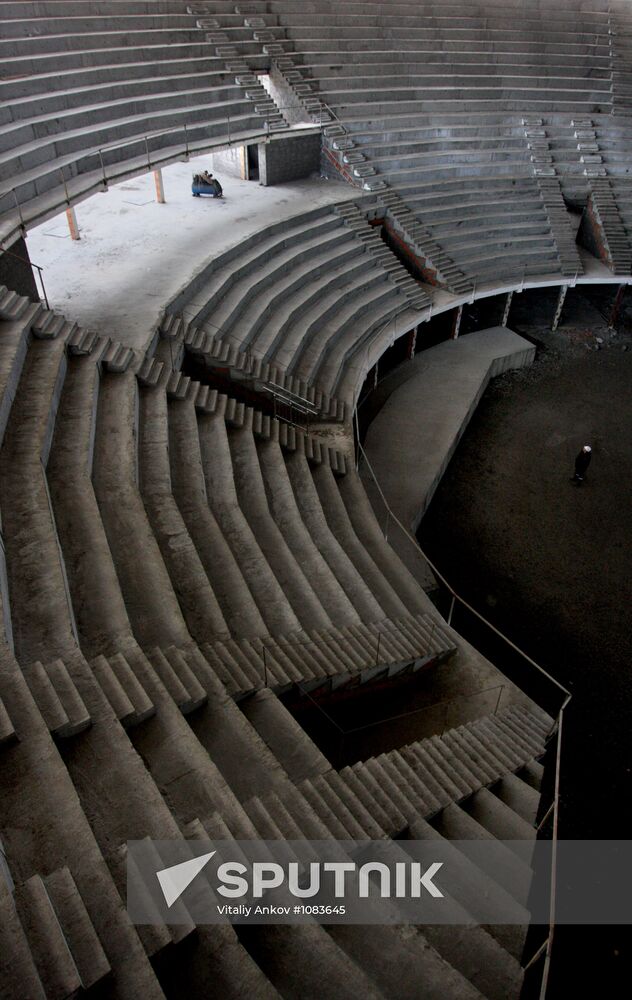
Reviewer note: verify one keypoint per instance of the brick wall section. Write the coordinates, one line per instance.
(289, 159)
(17, 275)
(591, 234)
(332, 166)
(420, 266)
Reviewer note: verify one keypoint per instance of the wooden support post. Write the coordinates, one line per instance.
(160, 189)
(560, 306)
(72, 223)
(507, 309)
(456, 322)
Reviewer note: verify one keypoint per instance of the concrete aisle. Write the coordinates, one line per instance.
(413, 437)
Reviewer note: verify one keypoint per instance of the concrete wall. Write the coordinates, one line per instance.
(285, 98)
(591, 234)
(289, 159)
(232, 162)
(17, 274)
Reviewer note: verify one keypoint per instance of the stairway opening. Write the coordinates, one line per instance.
(416, 266)
(358, 722)
(250, 391)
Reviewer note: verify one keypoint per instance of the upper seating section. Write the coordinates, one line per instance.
(92, 91)
(404, 57)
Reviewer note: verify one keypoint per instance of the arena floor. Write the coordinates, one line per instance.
(549, 563)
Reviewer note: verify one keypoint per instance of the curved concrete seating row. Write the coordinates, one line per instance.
(413, 95)
(98, 496)
(92, 94)
(296, 298)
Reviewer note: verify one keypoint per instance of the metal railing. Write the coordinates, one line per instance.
(192, 145)
(545, 949)
(438, 712)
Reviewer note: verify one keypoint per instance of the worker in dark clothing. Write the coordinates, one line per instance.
(581, 464)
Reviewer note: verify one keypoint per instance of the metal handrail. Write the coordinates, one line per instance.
(554, 842)
(403, 715)
(144, 137)
(547, 946)
(455, 596)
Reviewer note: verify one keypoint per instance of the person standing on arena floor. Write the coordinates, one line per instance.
(581, 464)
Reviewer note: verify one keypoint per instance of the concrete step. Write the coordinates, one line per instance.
(7, 730)
(178, 679)
(49, 948)
(18, 965)
(454, 823)
(532, 773)
(472, 951)
(477, 890)
(87, 952)
(497, 817)
(57, 698)
(519, 796)
(290, 744)
(126, 695)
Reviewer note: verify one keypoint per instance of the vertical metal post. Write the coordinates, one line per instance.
(147, 152)
(456, 323)
(186, 143)
(17, 205)
(560, 306)
(616, 306)
(500, 694)
(105, 179)
(41, 278)
(451, 611)
(507, 310)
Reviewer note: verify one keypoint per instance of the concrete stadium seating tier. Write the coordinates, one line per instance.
(513, 105)
(172, 561)
(296, 304)
(93, 92)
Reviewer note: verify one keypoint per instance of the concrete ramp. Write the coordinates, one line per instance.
(413, 437)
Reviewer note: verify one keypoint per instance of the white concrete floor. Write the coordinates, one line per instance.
(134, 254)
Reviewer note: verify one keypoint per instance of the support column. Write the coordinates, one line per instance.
(411, 344)
(560, 306)
(16, 270)
(375, 374)
(160, 190)
(616, 306)
(508, 302)
(72, 223)
(456, 322)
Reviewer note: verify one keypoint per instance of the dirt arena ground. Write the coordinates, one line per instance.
(550, 563)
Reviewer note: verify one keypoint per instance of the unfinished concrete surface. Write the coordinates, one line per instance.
(187, 546)
(124, 294)
(426, 415)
